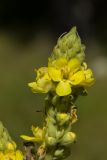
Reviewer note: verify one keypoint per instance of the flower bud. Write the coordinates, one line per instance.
(51, 129)
(68, 138)
(59, 134)
(55, 99)
(59, 153)
(51, 112)
(62, 118)
(69, 46)
(51, 141)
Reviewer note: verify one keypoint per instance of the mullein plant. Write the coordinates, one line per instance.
(8, 149)
(64, 79)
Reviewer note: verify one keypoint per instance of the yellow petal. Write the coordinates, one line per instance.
(27, 138)
(44, 85)
(1, 155)
(11, 146)
(41, 86)
(19, 155)
(62, 118)
(41, 72)
(34, 129)
(37, 132)
(63, 88)
(88, 73)
(74, 64)
(78, 78)
(33, 85)
(35, 88)
(89, 79)
(61, 62)
(9, 156)
(55, 74)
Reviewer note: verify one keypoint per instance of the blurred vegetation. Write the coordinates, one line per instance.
(26, 41)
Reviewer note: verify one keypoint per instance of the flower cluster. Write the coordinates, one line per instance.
(57, 131)
(66, 70)
(63, 77)
(8, 149)
(63, 80)
(39, 135)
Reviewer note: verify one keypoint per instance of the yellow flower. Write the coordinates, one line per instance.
(11, 155)
(61, 75)
(38, 133)
(59, 71)
(82, 78)
(67, 74)
(42, 83)
(89, 79)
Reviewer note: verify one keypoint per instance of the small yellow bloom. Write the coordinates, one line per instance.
(60, 71)
(38, 133)
(11, 155)
(19, 155)
(61, 75)
(43, 82)
(82, 78)
(89, 79)
(68, 138)
(42, 73)
(11, 146)
(62, 118)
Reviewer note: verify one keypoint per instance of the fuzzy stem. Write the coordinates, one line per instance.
(57, 126)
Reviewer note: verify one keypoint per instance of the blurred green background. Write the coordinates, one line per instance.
(28, 33)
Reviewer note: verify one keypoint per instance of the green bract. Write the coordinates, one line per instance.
(69, 46)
